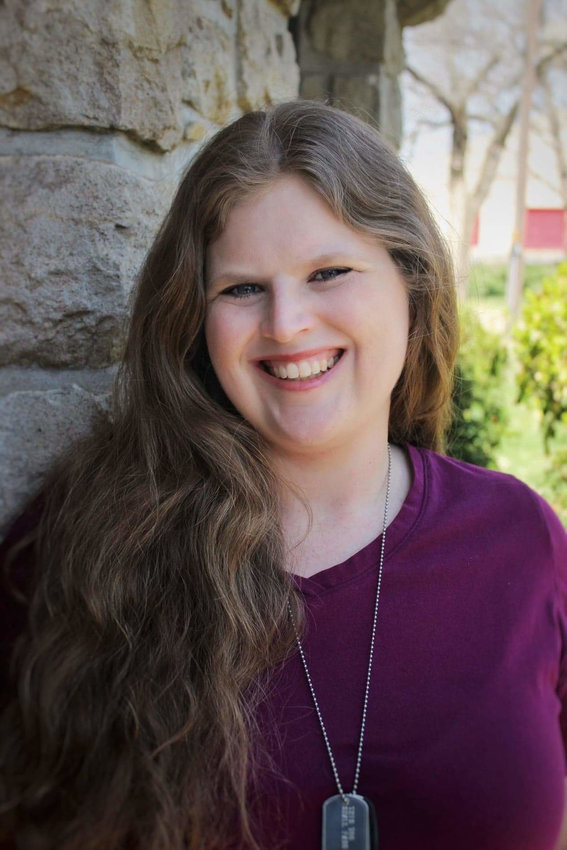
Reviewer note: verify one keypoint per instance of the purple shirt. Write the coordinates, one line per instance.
(463, 746)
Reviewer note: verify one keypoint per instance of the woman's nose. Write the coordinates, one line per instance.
(287, 314)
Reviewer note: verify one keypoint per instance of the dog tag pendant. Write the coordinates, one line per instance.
(351, 825)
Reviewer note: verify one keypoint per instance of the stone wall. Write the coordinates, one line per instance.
(354, 62)
(102, 104)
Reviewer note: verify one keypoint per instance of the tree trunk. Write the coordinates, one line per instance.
(458, 201)
(463, 254)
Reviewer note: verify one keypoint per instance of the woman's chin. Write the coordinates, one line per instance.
(307, 440)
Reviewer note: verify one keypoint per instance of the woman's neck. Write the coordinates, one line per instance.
(346, 491)
(337, 479)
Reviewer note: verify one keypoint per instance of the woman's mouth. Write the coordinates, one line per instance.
(302, 370)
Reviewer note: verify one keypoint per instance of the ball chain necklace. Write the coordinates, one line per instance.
(349, 820)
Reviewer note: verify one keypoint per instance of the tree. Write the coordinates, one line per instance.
(469, 63)
(552, 110)
(551, 100)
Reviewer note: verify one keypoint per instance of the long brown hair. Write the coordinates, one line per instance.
(160, 599)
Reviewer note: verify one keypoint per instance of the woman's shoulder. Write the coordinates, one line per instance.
(463, 472)
(475, 496)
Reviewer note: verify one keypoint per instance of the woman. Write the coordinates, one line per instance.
(264, 606)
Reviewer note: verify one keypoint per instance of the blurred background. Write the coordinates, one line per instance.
(103, 103)
(485, 133)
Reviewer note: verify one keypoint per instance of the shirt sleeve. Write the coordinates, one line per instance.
(558, 542)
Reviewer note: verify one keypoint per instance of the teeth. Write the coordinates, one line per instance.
(302, 370)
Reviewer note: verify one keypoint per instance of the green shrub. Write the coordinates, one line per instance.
(479, 412)
(488, 281)
(535, 275)
(557, 483)
(541, 348)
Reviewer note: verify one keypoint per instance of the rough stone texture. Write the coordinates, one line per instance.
(267, 71)
(393, 61)
(287, 7)
(84, 225)
(133, 66)
(351, 55)
(413, 12)
(35, 428)
(358, 93)
(102, 105)
(353, 61)
(357, 36)
(316, 86)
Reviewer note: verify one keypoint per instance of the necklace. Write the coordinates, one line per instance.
(349, 820)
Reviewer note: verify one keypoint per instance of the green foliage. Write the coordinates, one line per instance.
(479, 412)
(488, 281)
(541, 348)
(557, 483)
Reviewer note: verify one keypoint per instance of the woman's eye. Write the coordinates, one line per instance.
(330, 274)
(245, 290)
(241, 290)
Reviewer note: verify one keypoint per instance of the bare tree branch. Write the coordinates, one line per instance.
(433, 88)
(454, 94)
(496, 145)
(482, 119)
(559, 50)
(480, 77)
(537, 175)
(492, 157)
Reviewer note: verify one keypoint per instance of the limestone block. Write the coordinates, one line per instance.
(207, 63)
(393, 58)
(287, 7)
(316, 86)
(267, 71)
(79, 229)
(389, 77)
(413, 12)
(354, 31)
(195, 131)
(390, 107)
(35, 428)
(357, 94)
(128, 66)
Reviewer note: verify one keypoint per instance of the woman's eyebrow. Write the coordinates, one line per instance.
(336, 256)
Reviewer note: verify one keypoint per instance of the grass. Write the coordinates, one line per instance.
(521, 450)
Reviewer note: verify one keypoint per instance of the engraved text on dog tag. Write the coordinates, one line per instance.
(349, 825)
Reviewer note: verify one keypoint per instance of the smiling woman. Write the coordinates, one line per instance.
(348, 325)
(266, 611)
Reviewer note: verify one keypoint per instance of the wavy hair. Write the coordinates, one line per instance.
(160, 597)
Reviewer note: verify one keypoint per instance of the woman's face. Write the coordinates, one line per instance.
(290, 288)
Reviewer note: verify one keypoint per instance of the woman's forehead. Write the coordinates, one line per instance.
(289, 218)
